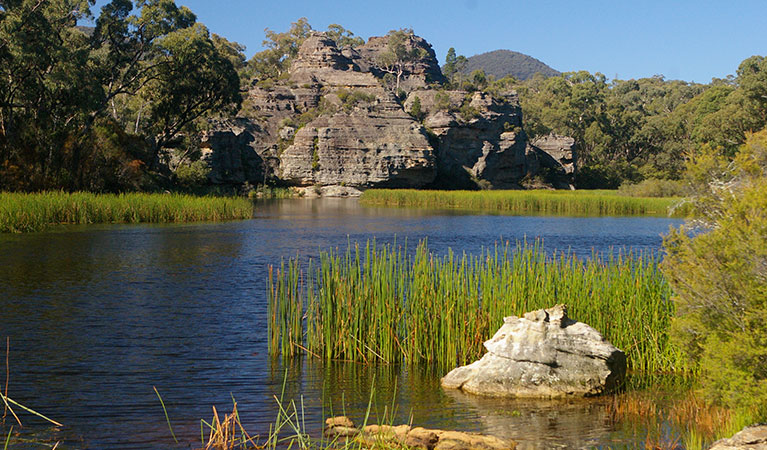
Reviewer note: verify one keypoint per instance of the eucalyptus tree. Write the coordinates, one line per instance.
(147, 66)
(399, 54)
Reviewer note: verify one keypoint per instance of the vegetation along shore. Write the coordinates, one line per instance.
(575, 203)
(21, 212)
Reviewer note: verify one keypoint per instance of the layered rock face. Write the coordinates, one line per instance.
(544, 354)
(228, 152)
(557, 154)
(479, 138)
(334, 121)
(376, 145)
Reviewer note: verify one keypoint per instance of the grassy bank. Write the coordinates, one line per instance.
(21, 213)
(575, 203)
(379, 303)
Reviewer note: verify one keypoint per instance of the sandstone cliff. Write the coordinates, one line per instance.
(335, 119)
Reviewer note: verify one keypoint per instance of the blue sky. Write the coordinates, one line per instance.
(688, 40)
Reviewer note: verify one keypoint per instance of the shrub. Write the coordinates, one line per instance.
(719, 277)
(193, 174)
(468, 112)
(415, 109)
(653, 187)
(352, 98)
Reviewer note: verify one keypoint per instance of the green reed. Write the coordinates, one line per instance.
(575, 203)
(385, 304)
(35, 212)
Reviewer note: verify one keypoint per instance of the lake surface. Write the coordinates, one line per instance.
(99, 315)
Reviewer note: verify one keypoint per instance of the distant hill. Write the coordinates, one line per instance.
(500, 63)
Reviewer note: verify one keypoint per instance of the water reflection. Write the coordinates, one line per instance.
(97, 315)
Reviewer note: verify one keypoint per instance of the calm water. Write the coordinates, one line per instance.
(98, 315)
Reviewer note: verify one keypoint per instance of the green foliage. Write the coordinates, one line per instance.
(376, 304)
(20, 213)
(653, 187)
(351, 99)
(719, 277)
(502, 63)
(153, 71)
(193, 174)
(415, 109)
(646, 127)
(399, 53)
(442, 101)
(468, 112)
(449, 68)
(343, 37)
(315, 154)
(281, 48)
(572, 203)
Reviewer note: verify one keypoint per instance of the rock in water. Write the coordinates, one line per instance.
(750, 438)
(544, 354)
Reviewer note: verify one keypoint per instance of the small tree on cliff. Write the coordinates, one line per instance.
(399, 53)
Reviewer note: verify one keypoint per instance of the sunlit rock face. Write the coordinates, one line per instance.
(544, 354)
(335, 119)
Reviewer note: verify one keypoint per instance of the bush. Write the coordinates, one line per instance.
(193, 174)
(653, 187)
(415, 110)
(350, 99)
(719, 277)
(468, 112)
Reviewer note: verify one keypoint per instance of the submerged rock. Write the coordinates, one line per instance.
(544, 354)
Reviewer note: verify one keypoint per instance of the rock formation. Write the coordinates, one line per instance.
(543, 354)
(334, 120)
(372, 145)
(750, 438)
(557, 156)
(480, 141)
(414, 437)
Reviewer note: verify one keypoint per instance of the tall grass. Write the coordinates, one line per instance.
(21, 213)
(575, 203)
(384, 304)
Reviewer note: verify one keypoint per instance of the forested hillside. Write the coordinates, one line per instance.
(501, 63)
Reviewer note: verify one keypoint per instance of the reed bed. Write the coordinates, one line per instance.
(383, 304)
(571, 203)
(21, 213)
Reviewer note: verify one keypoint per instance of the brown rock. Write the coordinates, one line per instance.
(422, 438)
(558, 155)
(375, 144)
(750, 438)
(456, 440)
(483, 146)
(385, 433)
(340, 426)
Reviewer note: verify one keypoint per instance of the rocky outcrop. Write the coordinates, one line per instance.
(557, 156)
(414, 437)
(544, 354)
(334, 121)
(374, 145)
(750, 438)
(480, 141)
(418, 73)
(229, 153)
